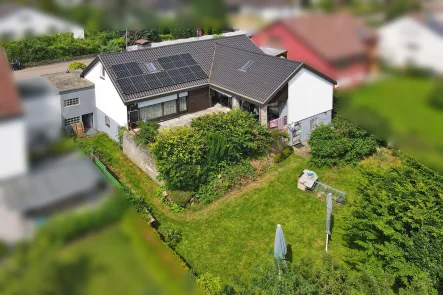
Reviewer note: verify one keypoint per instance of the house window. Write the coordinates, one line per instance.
(314, 123)
(72, 120)
(71, 102)
(107, 121)
(164, 109)
(102, 71)
(182, 102)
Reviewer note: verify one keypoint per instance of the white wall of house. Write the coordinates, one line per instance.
(406, 41)
(308, 95)
(13, 152)
(26, 22)
(108, 103)
(42, 115)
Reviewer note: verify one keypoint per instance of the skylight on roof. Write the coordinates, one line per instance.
(151, 67)
(246, 65)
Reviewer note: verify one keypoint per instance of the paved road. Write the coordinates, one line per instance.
(46, 69)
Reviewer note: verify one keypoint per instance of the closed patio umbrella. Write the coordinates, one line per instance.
(279, 244)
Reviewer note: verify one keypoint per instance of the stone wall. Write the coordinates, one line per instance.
(139, 155)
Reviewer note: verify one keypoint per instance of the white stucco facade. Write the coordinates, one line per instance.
(308, 95)
(407, 41)
(108, 103)
(13, 152)
(28, 22)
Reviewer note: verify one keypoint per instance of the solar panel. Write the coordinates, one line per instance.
(117, 68)
(153, 84)
(124, 82)
(167, 82)
(137, 80)
(175, 58)
(168, 66)
(174, 72)
(186, 56)
(162, 75)
(179, 63)
(150, 77)
(142, 87)
(190, 77)
(135, 71)
(185, 70)
(129, 89)
(200, 74)
(179, 79)
(132, 65)
(190, 62)
(122, 74)
(164, 59)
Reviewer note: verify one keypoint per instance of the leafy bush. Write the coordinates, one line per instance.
(76, 65)
(171, 235)
(209, 284)
(165, 37)
(287, 151)
(148, 132)
(181, 198)
(340, 143)
(190, 157)
(436, 97)
(230, 177)
(397, 222)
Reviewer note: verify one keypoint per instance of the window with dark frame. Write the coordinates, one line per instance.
(164, 109)
(102, 72)
(107, 121)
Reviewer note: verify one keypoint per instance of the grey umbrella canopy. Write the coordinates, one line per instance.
(279, 243)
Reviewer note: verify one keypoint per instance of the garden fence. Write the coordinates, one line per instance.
(105, 171)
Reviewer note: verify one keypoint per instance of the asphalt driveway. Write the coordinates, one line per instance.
(47, 69)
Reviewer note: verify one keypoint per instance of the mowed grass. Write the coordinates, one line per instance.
(397, 109)
(230, 236)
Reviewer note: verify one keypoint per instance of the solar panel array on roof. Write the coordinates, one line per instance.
(176, 69)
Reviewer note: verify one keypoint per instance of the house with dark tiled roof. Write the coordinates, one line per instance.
(162, 83)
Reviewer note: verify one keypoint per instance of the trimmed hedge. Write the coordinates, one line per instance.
(285, 153)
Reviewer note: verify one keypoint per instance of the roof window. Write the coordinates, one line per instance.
(151, 67)
(246, 65)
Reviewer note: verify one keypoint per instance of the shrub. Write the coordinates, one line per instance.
(230, 177)
(181, 198)
(76, 65)
(209, 284)
(436, 97)
(171, 235)
(165, 37)
(148, 132)
(284, 154)
(340, 143)
(190, 157)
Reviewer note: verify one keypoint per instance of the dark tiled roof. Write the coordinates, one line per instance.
(10, 104)
(263, 78)
(201, 51)
(221, 59)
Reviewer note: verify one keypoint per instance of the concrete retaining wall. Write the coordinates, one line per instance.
(139, 155)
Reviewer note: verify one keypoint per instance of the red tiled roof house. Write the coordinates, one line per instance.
(337, 44)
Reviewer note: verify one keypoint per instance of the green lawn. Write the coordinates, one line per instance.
(397, 109)
(228, 237)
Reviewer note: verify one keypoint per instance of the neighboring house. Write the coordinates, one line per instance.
(18, 22)
(63, 98)
(65, 183)
(268, 10)
(30, 192)
(415, 39)
(13, 155)
(338, 44)
(166, 82)
(41, 111)
(76, 98)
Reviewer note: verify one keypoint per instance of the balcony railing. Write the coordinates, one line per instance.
(279, 123)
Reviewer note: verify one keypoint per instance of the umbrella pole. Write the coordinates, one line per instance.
(327, 240)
